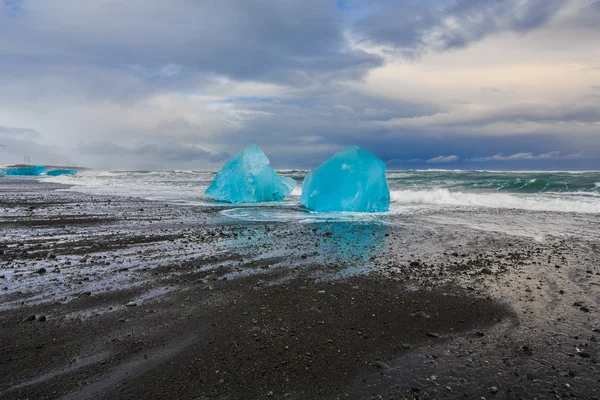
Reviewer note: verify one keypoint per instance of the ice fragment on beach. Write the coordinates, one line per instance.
(248, 178)
(351, 180)
(58, 172)
(26, 171)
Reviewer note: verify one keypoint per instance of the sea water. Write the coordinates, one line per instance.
(520, 203)
(410, 190)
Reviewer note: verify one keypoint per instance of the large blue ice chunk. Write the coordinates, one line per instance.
(248, 178)
(351, 180)
(58, 172)
(26, 171)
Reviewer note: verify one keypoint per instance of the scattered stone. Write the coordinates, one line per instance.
(578, 304)
(42, 318)
(583, 354)
(433, 334)
(380, 365)
(486, 271)
(41, 271)
(31, 318)
(321, 292)
(131, 304)
(584, 309)
(421, 314)
(494, 390)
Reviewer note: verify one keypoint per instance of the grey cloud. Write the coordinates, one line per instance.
(17, 144)
(171, 152)
(268, 41)
(413, 27)
(18, 133)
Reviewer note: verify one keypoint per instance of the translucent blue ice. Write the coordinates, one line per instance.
(58, 172)
(26, 171)
(248, 178)
(351, 180)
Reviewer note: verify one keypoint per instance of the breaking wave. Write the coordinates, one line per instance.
(541, 202)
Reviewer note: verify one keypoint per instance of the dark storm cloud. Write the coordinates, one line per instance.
(412, 26)
(246, 40)
(170, 152)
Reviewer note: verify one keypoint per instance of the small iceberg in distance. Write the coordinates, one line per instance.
(352, 180)
(26, 171)
(58, 172)
(248, 178)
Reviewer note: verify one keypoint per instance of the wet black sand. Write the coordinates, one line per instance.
(113, 297)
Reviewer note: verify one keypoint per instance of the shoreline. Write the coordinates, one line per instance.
(143, 299)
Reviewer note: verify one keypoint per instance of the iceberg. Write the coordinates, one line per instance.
(58, 172)
(248, 178)
(26, 171)
(352, 180)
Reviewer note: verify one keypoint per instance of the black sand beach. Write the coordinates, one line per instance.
(114, 297)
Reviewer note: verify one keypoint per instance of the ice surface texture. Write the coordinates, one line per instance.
(351, 180)
(248, 178)
(58, 172)
(26, 171)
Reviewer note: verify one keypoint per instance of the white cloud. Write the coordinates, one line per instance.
(443, 159)
(553, 155)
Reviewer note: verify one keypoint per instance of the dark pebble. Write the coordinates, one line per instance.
(585, 309)
(31, 318)
(42, 318)
(41, 271)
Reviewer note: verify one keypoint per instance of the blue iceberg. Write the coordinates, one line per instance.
(58, 172)
(248, 178)
(26, 171)
(351, 180)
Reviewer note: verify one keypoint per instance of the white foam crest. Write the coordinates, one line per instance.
(167, 186)
(445, 197)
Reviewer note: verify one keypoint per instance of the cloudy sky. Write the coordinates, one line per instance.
(173, 84)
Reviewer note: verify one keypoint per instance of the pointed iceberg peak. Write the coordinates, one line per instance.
(352, 180)
(248, 178)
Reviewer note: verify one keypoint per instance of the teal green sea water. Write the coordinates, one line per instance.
(410, 190)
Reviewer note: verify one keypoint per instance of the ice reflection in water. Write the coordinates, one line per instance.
(351, 246)
(338, 244)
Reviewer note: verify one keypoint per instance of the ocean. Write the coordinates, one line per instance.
(410, 190)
